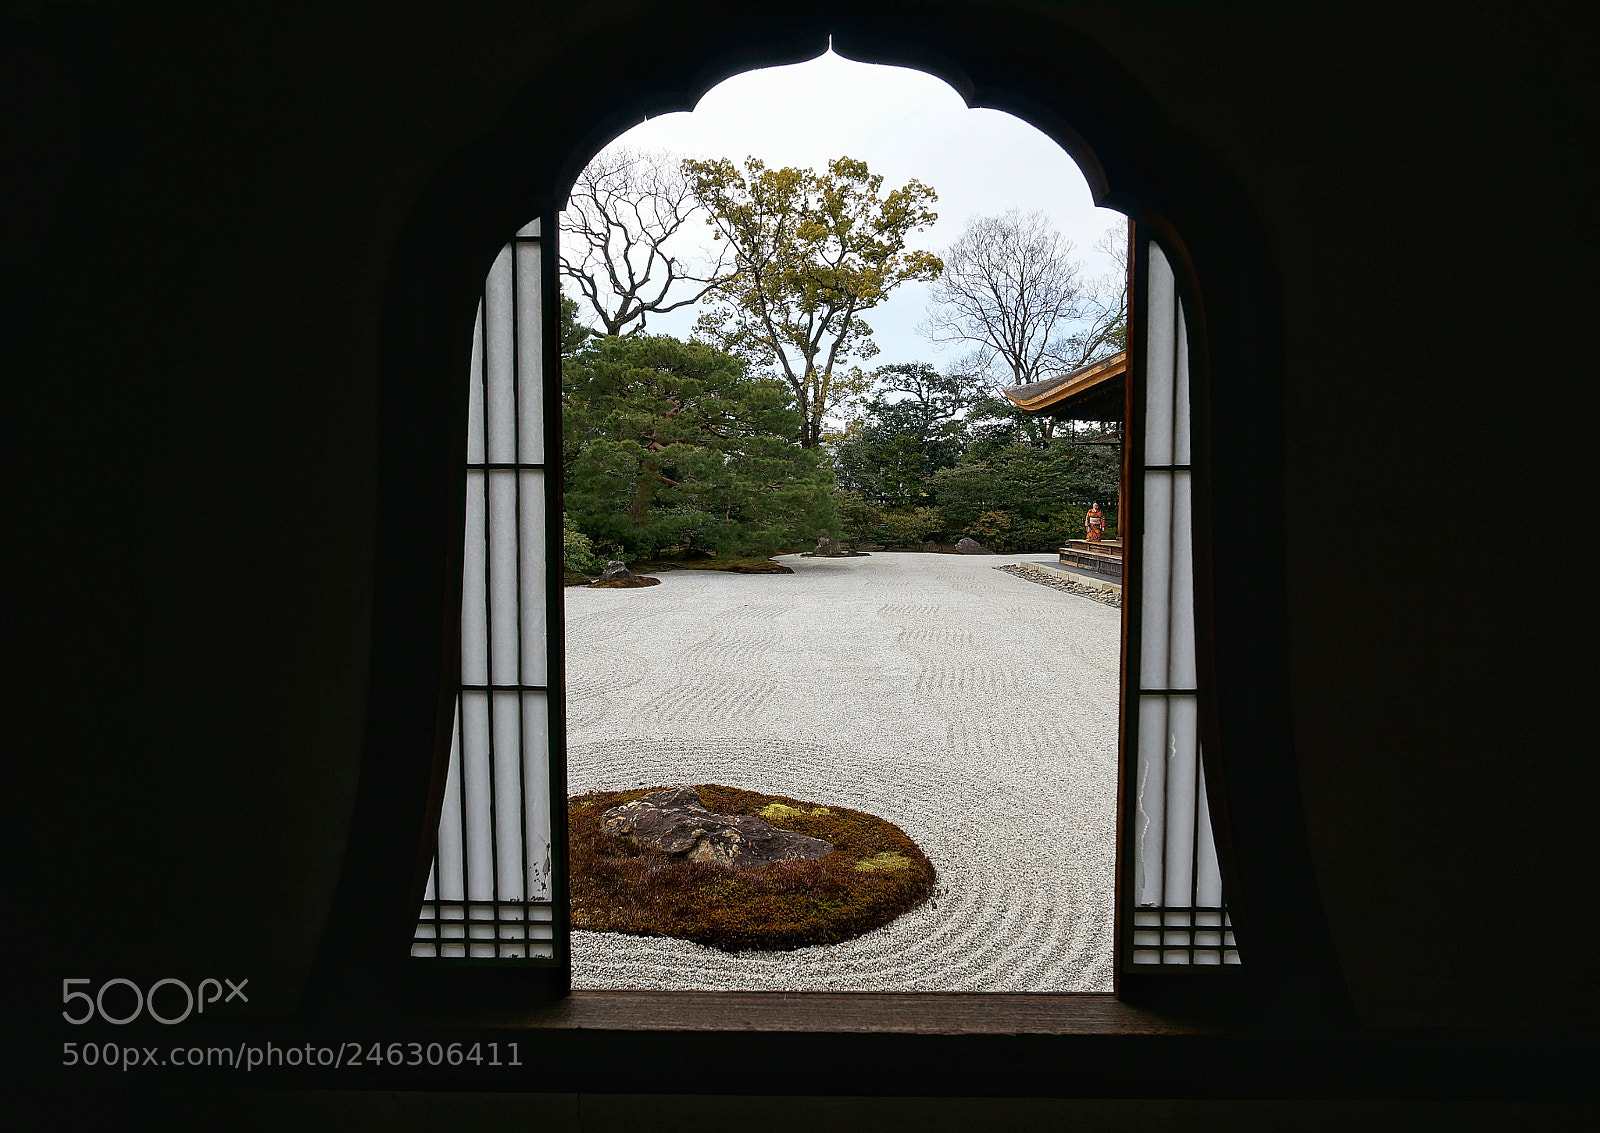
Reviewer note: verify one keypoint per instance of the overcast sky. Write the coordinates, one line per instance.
(904, 124)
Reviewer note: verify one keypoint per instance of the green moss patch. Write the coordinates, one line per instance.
(888, 859)
(860, 886)
(775, 812)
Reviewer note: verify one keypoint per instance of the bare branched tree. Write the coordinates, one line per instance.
(1102, 327)
(1012, 289)
(621, 244)
(1009, 283)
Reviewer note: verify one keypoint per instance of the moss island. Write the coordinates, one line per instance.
(873, 875)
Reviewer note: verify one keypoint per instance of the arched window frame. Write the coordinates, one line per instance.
(1246, 660)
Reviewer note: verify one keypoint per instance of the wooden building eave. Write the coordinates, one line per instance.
(1098, 384)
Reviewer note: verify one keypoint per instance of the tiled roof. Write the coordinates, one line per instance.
(1051, 391)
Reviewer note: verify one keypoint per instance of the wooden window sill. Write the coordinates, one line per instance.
(919, 1013)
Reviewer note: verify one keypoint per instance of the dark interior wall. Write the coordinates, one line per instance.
(215, 201)
(201, 383)
(1415, 167)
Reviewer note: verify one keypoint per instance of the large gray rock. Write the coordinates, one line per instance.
(930, 546)
(969, 546)
(674, 821)
(617, 576)
(827, 546)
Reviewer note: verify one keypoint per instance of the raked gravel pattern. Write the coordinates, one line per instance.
(974, 709)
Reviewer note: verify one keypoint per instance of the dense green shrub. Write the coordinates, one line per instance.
(992, 529)
(673, 444)
(577, 551)
(1047, 532)
(858, 518)
(902, 529)
(1028, 485)
(930, 444)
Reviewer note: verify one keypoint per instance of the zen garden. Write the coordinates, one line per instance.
(842, 602)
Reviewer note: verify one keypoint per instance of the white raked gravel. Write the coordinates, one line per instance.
(974, 709)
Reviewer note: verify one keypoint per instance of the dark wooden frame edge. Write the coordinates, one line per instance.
(995, 57)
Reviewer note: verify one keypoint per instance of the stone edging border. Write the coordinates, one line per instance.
(1044, 576)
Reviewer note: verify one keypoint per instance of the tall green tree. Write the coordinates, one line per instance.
(910, 427)
(669, 443)
(915, 398)
(812, 253)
